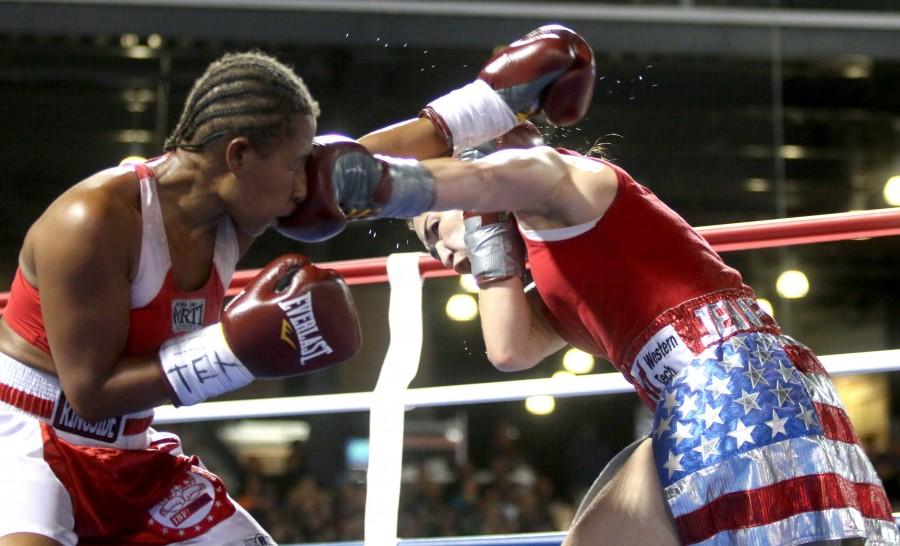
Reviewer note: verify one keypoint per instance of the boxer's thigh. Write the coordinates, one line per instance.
(27, 539)
(630, 509)
(33, 502)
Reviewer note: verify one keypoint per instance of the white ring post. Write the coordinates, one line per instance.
(387, 415)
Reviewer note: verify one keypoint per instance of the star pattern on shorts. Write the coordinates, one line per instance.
(742, 433)
(695, 378)
(699, 424)
(718, 386)
(673, 463)
(662, 426)
(707, 448)
(807, 415)
(670, 401)
(766, 342)
(682, 432)
(777, 424)
(762, 355)
(783, 393)
(755, 375)
(748, 401)
(688, 404)
(732, 361)
(710, 415)
(736, 343)
(787, 372)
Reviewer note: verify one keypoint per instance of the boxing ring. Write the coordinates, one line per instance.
(391, 397)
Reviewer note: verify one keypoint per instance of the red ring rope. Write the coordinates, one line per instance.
(723, 238)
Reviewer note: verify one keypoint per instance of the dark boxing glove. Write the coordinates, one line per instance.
(551, 69)
(292, 318)
(347, 182)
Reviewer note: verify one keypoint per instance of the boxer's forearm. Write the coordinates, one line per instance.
(134, 384)
(514, 338)
(415, 138)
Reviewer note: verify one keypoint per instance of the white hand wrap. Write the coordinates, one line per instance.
(473, 114)
(200, 365)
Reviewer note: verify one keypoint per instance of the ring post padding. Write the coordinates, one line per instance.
(387, 415)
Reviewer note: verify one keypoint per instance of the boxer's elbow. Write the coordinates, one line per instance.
(84, 397)
(509, 358)
(87, 405)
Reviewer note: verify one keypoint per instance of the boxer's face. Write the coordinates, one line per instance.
(272, 183)
(442, 234)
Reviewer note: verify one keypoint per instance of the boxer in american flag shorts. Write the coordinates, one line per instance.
(750, 444)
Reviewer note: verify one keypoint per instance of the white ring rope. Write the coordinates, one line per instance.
(473, 393)
(386, 419)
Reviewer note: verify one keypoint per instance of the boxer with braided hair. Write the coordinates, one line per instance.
(248, 93)
(116, 306)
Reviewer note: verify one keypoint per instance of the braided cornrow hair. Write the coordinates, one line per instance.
(242, 94)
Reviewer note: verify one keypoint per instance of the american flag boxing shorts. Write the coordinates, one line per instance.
(753, 447)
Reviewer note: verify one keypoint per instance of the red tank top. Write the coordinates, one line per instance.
(155, 316)
(606, 285)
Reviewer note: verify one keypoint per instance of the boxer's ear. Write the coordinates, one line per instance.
(235, 153)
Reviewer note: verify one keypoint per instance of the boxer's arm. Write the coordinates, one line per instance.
(538, 181)
(516, 335)
(82, 249)
(416, 138)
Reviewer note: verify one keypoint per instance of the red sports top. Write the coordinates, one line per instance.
(606, 285)
(159, 309)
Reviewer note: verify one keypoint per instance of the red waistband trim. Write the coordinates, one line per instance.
(698, 323)
(42, 408)
(29, 403)
(708, 319)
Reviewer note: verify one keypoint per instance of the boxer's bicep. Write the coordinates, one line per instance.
(81, 255)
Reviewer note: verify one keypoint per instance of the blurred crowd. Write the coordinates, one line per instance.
(510, 496)
(442, 499)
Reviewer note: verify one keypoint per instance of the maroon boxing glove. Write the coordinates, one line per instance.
(347, 182)
(551, 69)
(292, 318)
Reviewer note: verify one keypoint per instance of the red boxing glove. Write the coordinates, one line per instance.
(551, 70)
(292, 318)
(556, 67)
(347, 182)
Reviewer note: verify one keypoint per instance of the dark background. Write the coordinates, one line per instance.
(729, 111)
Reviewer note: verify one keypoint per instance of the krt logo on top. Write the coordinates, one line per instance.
(187, 315)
